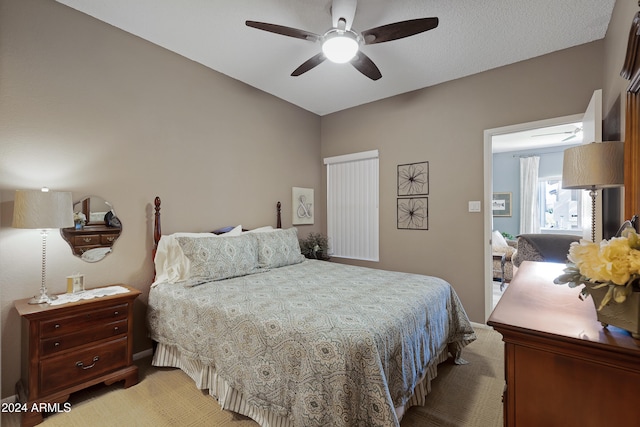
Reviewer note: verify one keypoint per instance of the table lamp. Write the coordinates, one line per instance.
(44, 210)
(592, 167)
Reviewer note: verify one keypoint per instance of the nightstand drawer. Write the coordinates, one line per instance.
(57, 373)
(87, 239)
(59, 343)
(82, 321)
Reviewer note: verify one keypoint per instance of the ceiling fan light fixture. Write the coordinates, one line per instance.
(340, 46)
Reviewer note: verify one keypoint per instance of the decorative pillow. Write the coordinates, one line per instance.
(499, 244)
(171, 264)
(221, 257)
(279, 248)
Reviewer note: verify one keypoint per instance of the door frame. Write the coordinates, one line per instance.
(488, 190)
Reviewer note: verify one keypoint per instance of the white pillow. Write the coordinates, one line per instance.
(264, 229)
(498, 241)
(237, 230)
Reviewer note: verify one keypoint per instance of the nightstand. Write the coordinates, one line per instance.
(68, 347)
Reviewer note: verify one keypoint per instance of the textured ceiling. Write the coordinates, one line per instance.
(472, 36)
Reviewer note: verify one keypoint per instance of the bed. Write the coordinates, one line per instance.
(289, 341)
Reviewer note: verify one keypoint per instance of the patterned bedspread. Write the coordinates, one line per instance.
(319, 343)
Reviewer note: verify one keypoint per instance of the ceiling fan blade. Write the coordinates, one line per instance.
(362, 63)
(399, 30)
(551, 134)
(310, 63)
(345, 9)
(573, 133)
(285, 31)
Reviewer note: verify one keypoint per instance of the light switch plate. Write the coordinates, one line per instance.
(474, 206)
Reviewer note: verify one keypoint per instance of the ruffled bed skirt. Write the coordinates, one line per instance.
(230, 399)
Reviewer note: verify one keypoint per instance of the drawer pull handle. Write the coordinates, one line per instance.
(57, 344)
(115, 313)
(81, 365)
(116, 329)
(86, 239)
(110, 239)
(57, 326)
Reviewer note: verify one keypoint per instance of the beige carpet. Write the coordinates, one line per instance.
(462, 395)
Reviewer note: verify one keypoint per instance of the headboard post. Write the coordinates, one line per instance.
(157, 229)
(278, 216)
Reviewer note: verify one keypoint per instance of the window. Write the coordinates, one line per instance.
(352, 205)
(562, 209)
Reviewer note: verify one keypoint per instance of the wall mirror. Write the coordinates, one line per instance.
(96, 229)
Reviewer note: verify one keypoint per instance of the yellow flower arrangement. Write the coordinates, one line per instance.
(613, 263)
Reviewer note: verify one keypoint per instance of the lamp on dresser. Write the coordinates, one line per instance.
(44, 210)
(592, 167)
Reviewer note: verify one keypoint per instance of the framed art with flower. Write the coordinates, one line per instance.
(413, 179)
(413, 213)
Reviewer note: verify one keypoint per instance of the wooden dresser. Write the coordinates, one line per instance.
(562, 368)
(68, 347)
(90, 237)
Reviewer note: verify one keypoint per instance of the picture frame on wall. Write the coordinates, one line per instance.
(501, 204)
(413, 179)
(413, 213)
(302, 203)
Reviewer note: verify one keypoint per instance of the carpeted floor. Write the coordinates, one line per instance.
(461, 395)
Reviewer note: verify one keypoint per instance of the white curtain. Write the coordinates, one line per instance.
(529, 207)
(352, 205)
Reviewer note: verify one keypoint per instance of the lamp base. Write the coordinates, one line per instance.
(43, 298)
(593, 193)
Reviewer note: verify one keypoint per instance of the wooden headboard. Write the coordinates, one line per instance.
(157, 228)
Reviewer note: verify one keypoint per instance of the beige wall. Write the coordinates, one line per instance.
(88, 108)
(444, 125)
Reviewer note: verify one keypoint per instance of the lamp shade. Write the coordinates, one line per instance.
(594, 165)
(40, 209)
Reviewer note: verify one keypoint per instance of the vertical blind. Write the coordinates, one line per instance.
(352, 205)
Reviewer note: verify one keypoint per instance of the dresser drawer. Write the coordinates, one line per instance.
(82, 321)
(56, 344)
(86, 240)
(108, 239)
(57, 373)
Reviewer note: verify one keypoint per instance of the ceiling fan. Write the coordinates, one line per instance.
(341, 44)
(572, 133)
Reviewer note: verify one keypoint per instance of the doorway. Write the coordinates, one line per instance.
(532, 136)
